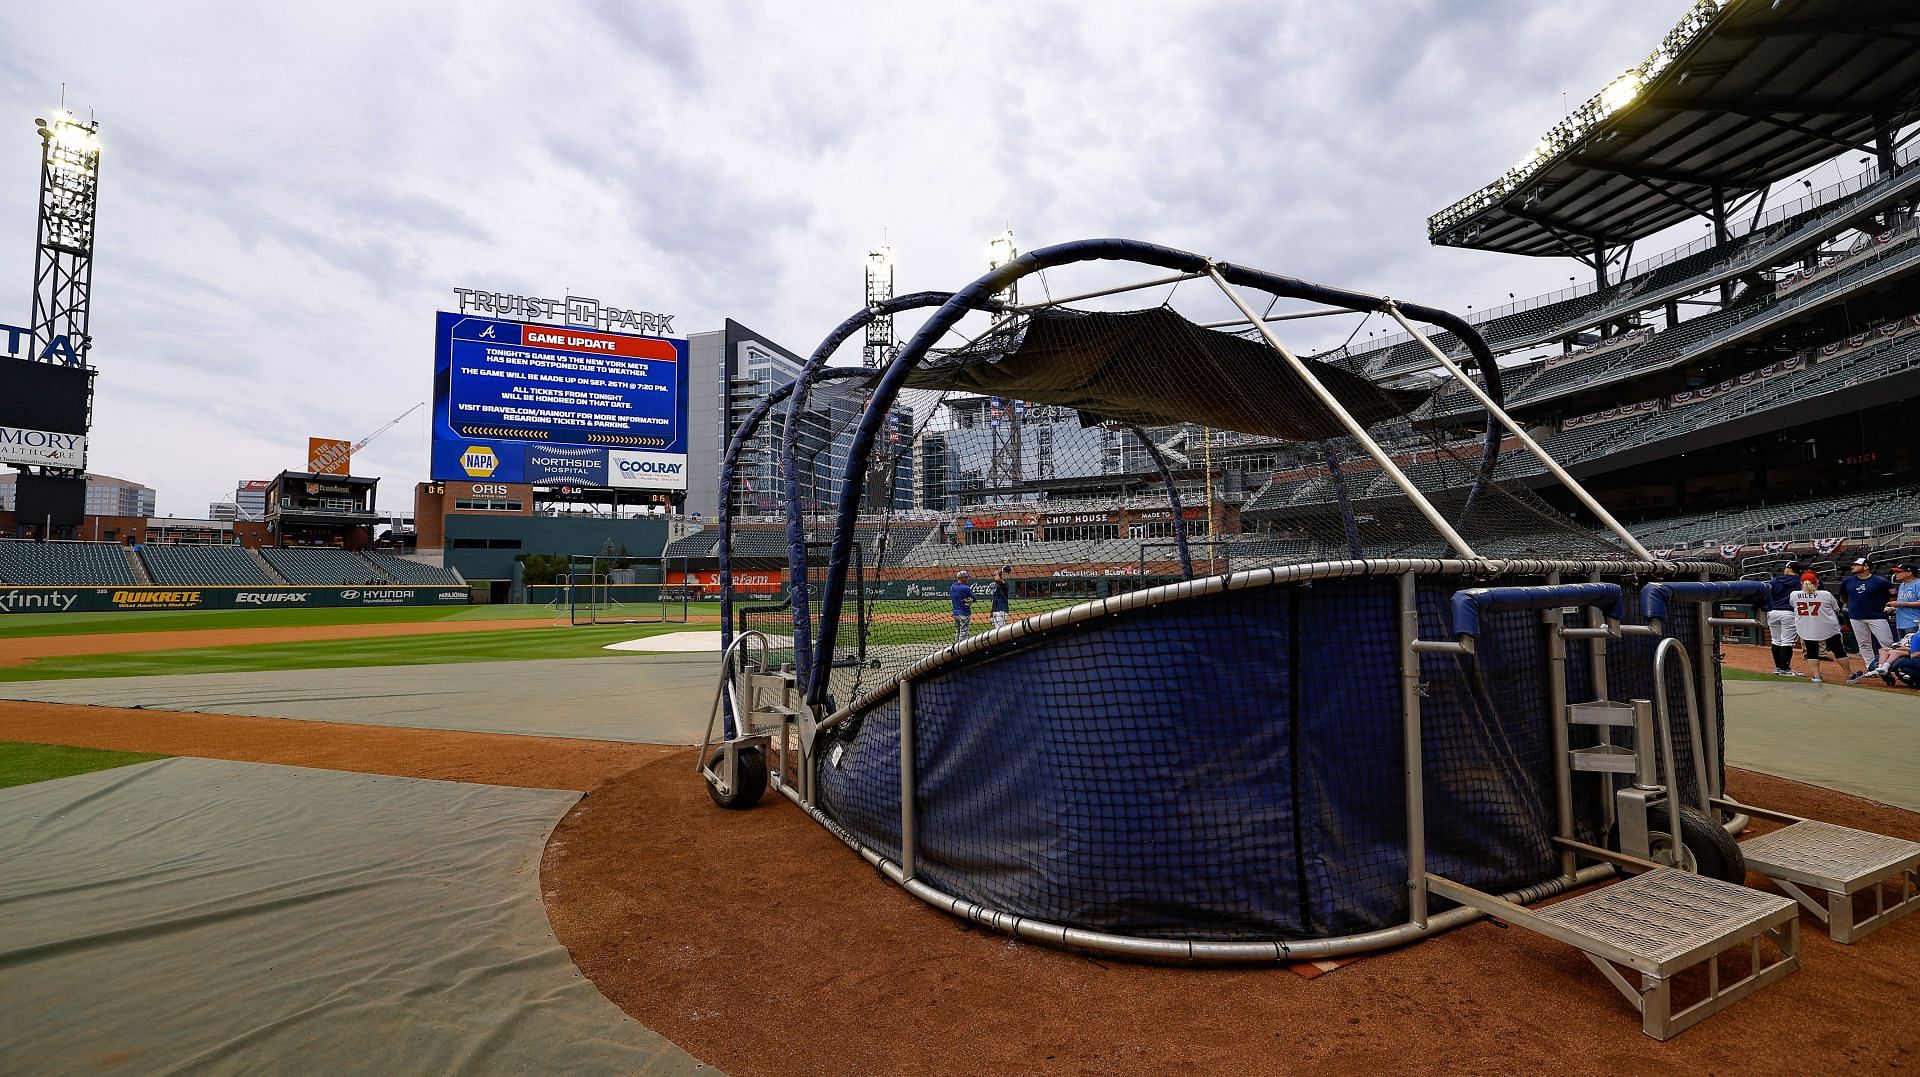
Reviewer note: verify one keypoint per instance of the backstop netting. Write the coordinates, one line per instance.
(1220, 761)
(604, 589)
(1078, 452)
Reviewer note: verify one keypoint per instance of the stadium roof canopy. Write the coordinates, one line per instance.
(1740, 94)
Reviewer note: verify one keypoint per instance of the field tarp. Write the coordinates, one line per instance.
(201, 915)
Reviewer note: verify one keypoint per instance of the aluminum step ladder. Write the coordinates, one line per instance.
(1659, 925)
(1663, 921)
(1838, 862)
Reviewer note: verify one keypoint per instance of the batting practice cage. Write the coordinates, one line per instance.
(1110, 621)
(615, 589)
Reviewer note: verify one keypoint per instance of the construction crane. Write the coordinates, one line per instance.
(335, 457)
(390, 424)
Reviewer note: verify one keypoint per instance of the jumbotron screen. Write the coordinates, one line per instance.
(524, 402)
(43, 396)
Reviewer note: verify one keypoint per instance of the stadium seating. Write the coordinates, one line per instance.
(1831, 516)
(56, 564)
(319, 565)
(401, 570)
(1689, 273)
(699, 545)
(184, 564)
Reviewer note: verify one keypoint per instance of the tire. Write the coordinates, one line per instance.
(1709, 850)
(752, 783)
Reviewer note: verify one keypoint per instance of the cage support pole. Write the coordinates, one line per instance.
(1411, 748)
(1500, 414)
(909, 859)
(1557, 713)
(1346, 419)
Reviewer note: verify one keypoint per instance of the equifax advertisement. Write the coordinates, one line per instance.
(520, 402)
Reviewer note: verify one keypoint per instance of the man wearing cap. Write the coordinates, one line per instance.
(1867, 596)
(1000, 606)
(1905, 606)
(962, 594)
(1780, 631)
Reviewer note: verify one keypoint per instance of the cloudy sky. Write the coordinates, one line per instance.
(290, 191)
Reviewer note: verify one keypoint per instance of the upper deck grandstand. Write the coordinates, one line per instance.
(1767, 362)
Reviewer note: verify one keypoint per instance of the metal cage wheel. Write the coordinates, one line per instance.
(750, 784)
(1706, 847)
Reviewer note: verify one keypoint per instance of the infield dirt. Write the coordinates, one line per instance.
(760, 944)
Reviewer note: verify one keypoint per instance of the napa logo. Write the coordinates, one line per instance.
(479, 462)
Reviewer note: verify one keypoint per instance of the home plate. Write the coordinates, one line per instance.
(671, 642)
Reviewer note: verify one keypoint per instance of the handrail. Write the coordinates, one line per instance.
(1666, 646)
(728, 728)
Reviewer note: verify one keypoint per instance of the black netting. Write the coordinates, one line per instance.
(1076, 451)
(1229, 767)
(1225, 766)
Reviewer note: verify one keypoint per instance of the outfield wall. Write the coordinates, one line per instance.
(110, 599)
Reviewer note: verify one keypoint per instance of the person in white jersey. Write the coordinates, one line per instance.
(1816, 619)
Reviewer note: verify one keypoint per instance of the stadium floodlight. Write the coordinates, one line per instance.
(1621, 92)
(1001, 250)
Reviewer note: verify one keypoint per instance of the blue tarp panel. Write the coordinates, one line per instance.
(1229, 766)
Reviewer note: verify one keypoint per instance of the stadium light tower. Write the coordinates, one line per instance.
(63, 246)
(1008, 463)
(879, 289)
(1000, 251)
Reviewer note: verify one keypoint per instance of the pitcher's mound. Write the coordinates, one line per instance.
(671, 642)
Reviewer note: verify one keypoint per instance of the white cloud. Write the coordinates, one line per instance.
(288, 193)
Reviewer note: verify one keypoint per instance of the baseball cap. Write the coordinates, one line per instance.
(1861, 562)
(1908, 569)
(1814, 576)
(963, 572)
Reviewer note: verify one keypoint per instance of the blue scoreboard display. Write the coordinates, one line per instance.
(523, 402)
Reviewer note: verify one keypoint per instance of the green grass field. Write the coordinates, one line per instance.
(914, 623)
(23, 764)
(81, 624)
(504, 645)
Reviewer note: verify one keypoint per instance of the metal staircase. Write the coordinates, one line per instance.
(1661, 924)
(1839, 862)
(1664, 920)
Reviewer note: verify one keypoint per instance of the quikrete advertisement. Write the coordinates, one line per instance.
(109, 599)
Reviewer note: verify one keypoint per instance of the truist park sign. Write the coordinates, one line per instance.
(572, 311)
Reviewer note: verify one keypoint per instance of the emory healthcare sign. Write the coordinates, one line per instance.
(21, 446)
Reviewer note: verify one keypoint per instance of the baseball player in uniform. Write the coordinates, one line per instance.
(1816, 618)
(962, 595)
(1001, 607)
(1780, 628)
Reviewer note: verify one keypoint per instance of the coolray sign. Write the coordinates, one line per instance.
(646, 470)
(22, 446)
(573, 310)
